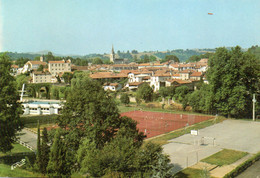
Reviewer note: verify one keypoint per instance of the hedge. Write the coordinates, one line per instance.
(242, 167)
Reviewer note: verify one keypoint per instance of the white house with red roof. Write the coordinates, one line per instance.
(32, 65)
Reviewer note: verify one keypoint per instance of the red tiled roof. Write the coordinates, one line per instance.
(187, 71)
(37, 62)
(59, 62)
(14, 66)
(196, 74)
(179, 81)
(108, 75)
(135, 83)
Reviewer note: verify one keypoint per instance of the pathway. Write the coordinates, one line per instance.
(28, 137)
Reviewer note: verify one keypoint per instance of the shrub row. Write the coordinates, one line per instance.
(242, 167)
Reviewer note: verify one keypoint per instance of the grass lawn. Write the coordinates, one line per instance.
(168, 136)
(5, 171)
(225, 157)
(17, 149)
(191, 173)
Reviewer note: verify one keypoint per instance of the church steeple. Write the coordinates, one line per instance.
(112, 56)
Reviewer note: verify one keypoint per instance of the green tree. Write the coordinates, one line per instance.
(45, 151)
(22, 79)
(10, 109)
(172, 58)
(181, 92)
(233, 78)
(67, 76)
(21, 61)
(50, 57)
(145, 92)
(125, 99)
(97, 60)
(40, 68)
(57, 165)
(163, 91)
(38, 162)
(55, 93)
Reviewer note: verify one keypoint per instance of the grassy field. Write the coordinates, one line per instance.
(168, 136)
(5, 171)
(17, 149)
(225, 157)
(191, 173)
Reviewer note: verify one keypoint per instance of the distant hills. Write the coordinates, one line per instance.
(182, 54)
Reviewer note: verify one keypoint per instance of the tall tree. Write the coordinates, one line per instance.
(125, 99)
(145, 92)
(67, 76)
(89, 113)
(38, 153)
(57, 166)
(233, 78)
(45, 151)
(10, 109)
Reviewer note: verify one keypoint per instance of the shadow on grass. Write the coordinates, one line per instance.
(12, 158)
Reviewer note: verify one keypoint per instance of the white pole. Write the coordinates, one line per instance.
(21, 99)
(254, 101)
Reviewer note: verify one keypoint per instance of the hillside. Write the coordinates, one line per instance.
(183, 55)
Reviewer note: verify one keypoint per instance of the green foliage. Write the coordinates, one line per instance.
(145, 92)
(97, 60)
(233, 78)
(121, 155)
(38, 162)
(55, 93)
(21, 61)
(196, 58)
(40, 68)
(146, 58)
(200, 100)
(22, 79)
(57, 165)
(5, 171)
(45, 151)
(79, 61)
(125, 99)
(10, 110)
(180, 53)
(181, 94)
(171, 58)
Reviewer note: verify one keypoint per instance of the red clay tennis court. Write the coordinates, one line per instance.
(156, 123)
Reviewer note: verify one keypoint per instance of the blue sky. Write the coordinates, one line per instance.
(92, 26)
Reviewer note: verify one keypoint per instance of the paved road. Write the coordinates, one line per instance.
(238, 135)
(28, 137)
(252, 172)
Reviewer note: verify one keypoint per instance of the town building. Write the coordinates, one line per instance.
(56, 67)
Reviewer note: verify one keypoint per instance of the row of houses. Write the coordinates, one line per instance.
(155, 74)
(156, 79)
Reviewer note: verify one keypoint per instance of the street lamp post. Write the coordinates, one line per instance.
(254, 101)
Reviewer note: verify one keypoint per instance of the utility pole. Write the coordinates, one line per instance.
(254, 101)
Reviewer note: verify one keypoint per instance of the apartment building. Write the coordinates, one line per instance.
(55, 67)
